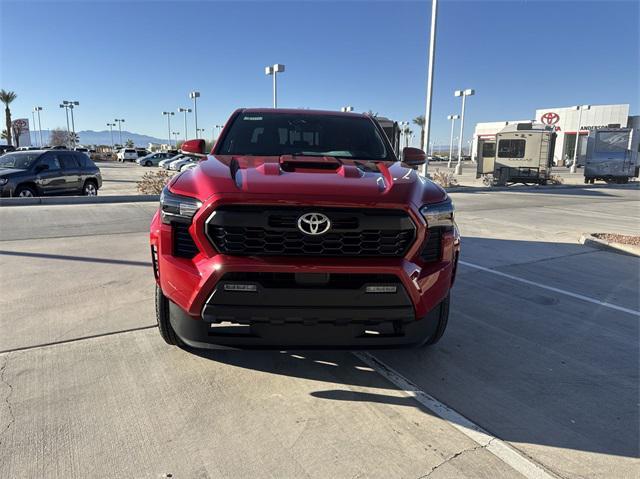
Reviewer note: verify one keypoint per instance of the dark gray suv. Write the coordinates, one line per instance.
(48, 172)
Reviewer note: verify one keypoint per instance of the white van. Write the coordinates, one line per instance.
(127, 154)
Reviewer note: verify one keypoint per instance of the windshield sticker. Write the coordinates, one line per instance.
(252, 118)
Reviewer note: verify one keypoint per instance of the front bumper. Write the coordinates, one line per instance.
(307, 329)
(204, 317)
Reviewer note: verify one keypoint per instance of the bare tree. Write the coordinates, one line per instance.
(59, 137)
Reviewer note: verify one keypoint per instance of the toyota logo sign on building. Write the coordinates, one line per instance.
(550, 118)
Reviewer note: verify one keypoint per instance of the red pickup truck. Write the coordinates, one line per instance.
(302, 229)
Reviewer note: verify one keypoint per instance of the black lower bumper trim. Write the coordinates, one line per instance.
(325, 328)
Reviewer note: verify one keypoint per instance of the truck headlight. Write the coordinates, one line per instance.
(176, 208)
(4, 181)
(439, 214)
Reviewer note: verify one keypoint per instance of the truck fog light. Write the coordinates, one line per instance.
(243, 288)
(381, 289)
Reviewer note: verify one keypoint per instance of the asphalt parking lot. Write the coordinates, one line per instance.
(121, 178)
(541, 353)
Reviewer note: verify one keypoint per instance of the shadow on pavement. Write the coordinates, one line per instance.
(86, 259)
(529, 365)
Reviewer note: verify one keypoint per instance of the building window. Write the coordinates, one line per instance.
(488, 150)
(511, 148)
(612, 141)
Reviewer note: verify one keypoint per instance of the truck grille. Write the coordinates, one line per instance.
(272, 231)
(183, 244)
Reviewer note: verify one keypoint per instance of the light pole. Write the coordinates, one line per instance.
(198, 131)
(120, 122)
(38, 109)
(346, 109)
(464, 94)
(401, 139)
(169, 114)
(66, 111)
(453, 119)
(575, 149)
(185, 111)
(432, 54)
(219, 127)
(176, 134)
(274, 70)
(70, 105)
(111, 125)
(194, 95)
(35, 137)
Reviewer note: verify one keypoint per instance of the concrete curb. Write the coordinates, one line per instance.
(78, 200)
(474, 189)
(589, 240)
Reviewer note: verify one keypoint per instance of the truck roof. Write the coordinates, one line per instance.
(302, 110)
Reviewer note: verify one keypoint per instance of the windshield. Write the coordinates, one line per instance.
(275, 134)
(19, 161)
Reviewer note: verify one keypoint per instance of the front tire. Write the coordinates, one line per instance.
(163, 317)
(443, 320)
(26, 192)
(148, 163)
(89, 189)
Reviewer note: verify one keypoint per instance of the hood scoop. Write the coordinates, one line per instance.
(292, 163)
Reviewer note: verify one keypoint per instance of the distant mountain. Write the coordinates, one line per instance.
(90, 137)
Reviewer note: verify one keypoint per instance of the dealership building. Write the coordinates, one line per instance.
(565, 121)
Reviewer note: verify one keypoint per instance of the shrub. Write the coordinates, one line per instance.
(445, 179)
(555, 180)
(152, 183)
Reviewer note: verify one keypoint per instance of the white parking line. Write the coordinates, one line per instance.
(555, 290)
(497, 447)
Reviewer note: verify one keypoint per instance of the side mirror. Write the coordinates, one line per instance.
(41, 168)
(413, 156)
(193, 147)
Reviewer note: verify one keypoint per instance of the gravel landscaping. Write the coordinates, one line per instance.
(620, 239)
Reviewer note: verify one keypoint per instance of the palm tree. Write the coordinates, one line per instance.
(7, 97)
(419, 120)
(129, 144)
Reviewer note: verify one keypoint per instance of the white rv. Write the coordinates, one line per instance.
(520, 153)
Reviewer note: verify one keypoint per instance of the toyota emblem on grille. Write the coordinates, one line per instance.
(314, 223)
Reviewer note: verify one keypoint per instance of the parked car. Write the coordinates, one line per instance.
(48, 172)
(176, 164)
(127, 154)
(6, 148)
(165, 163)
(188, 166)
(302, 229)
(83, 150)
(153, 159)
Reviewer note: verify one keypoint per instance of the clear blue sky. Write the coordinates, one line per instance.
(135, 59)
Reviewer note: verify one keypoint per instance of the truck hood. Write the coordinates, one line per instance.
(353, 180)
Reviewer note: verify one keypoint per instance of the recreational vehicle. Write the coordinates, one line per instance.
(520, 153)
